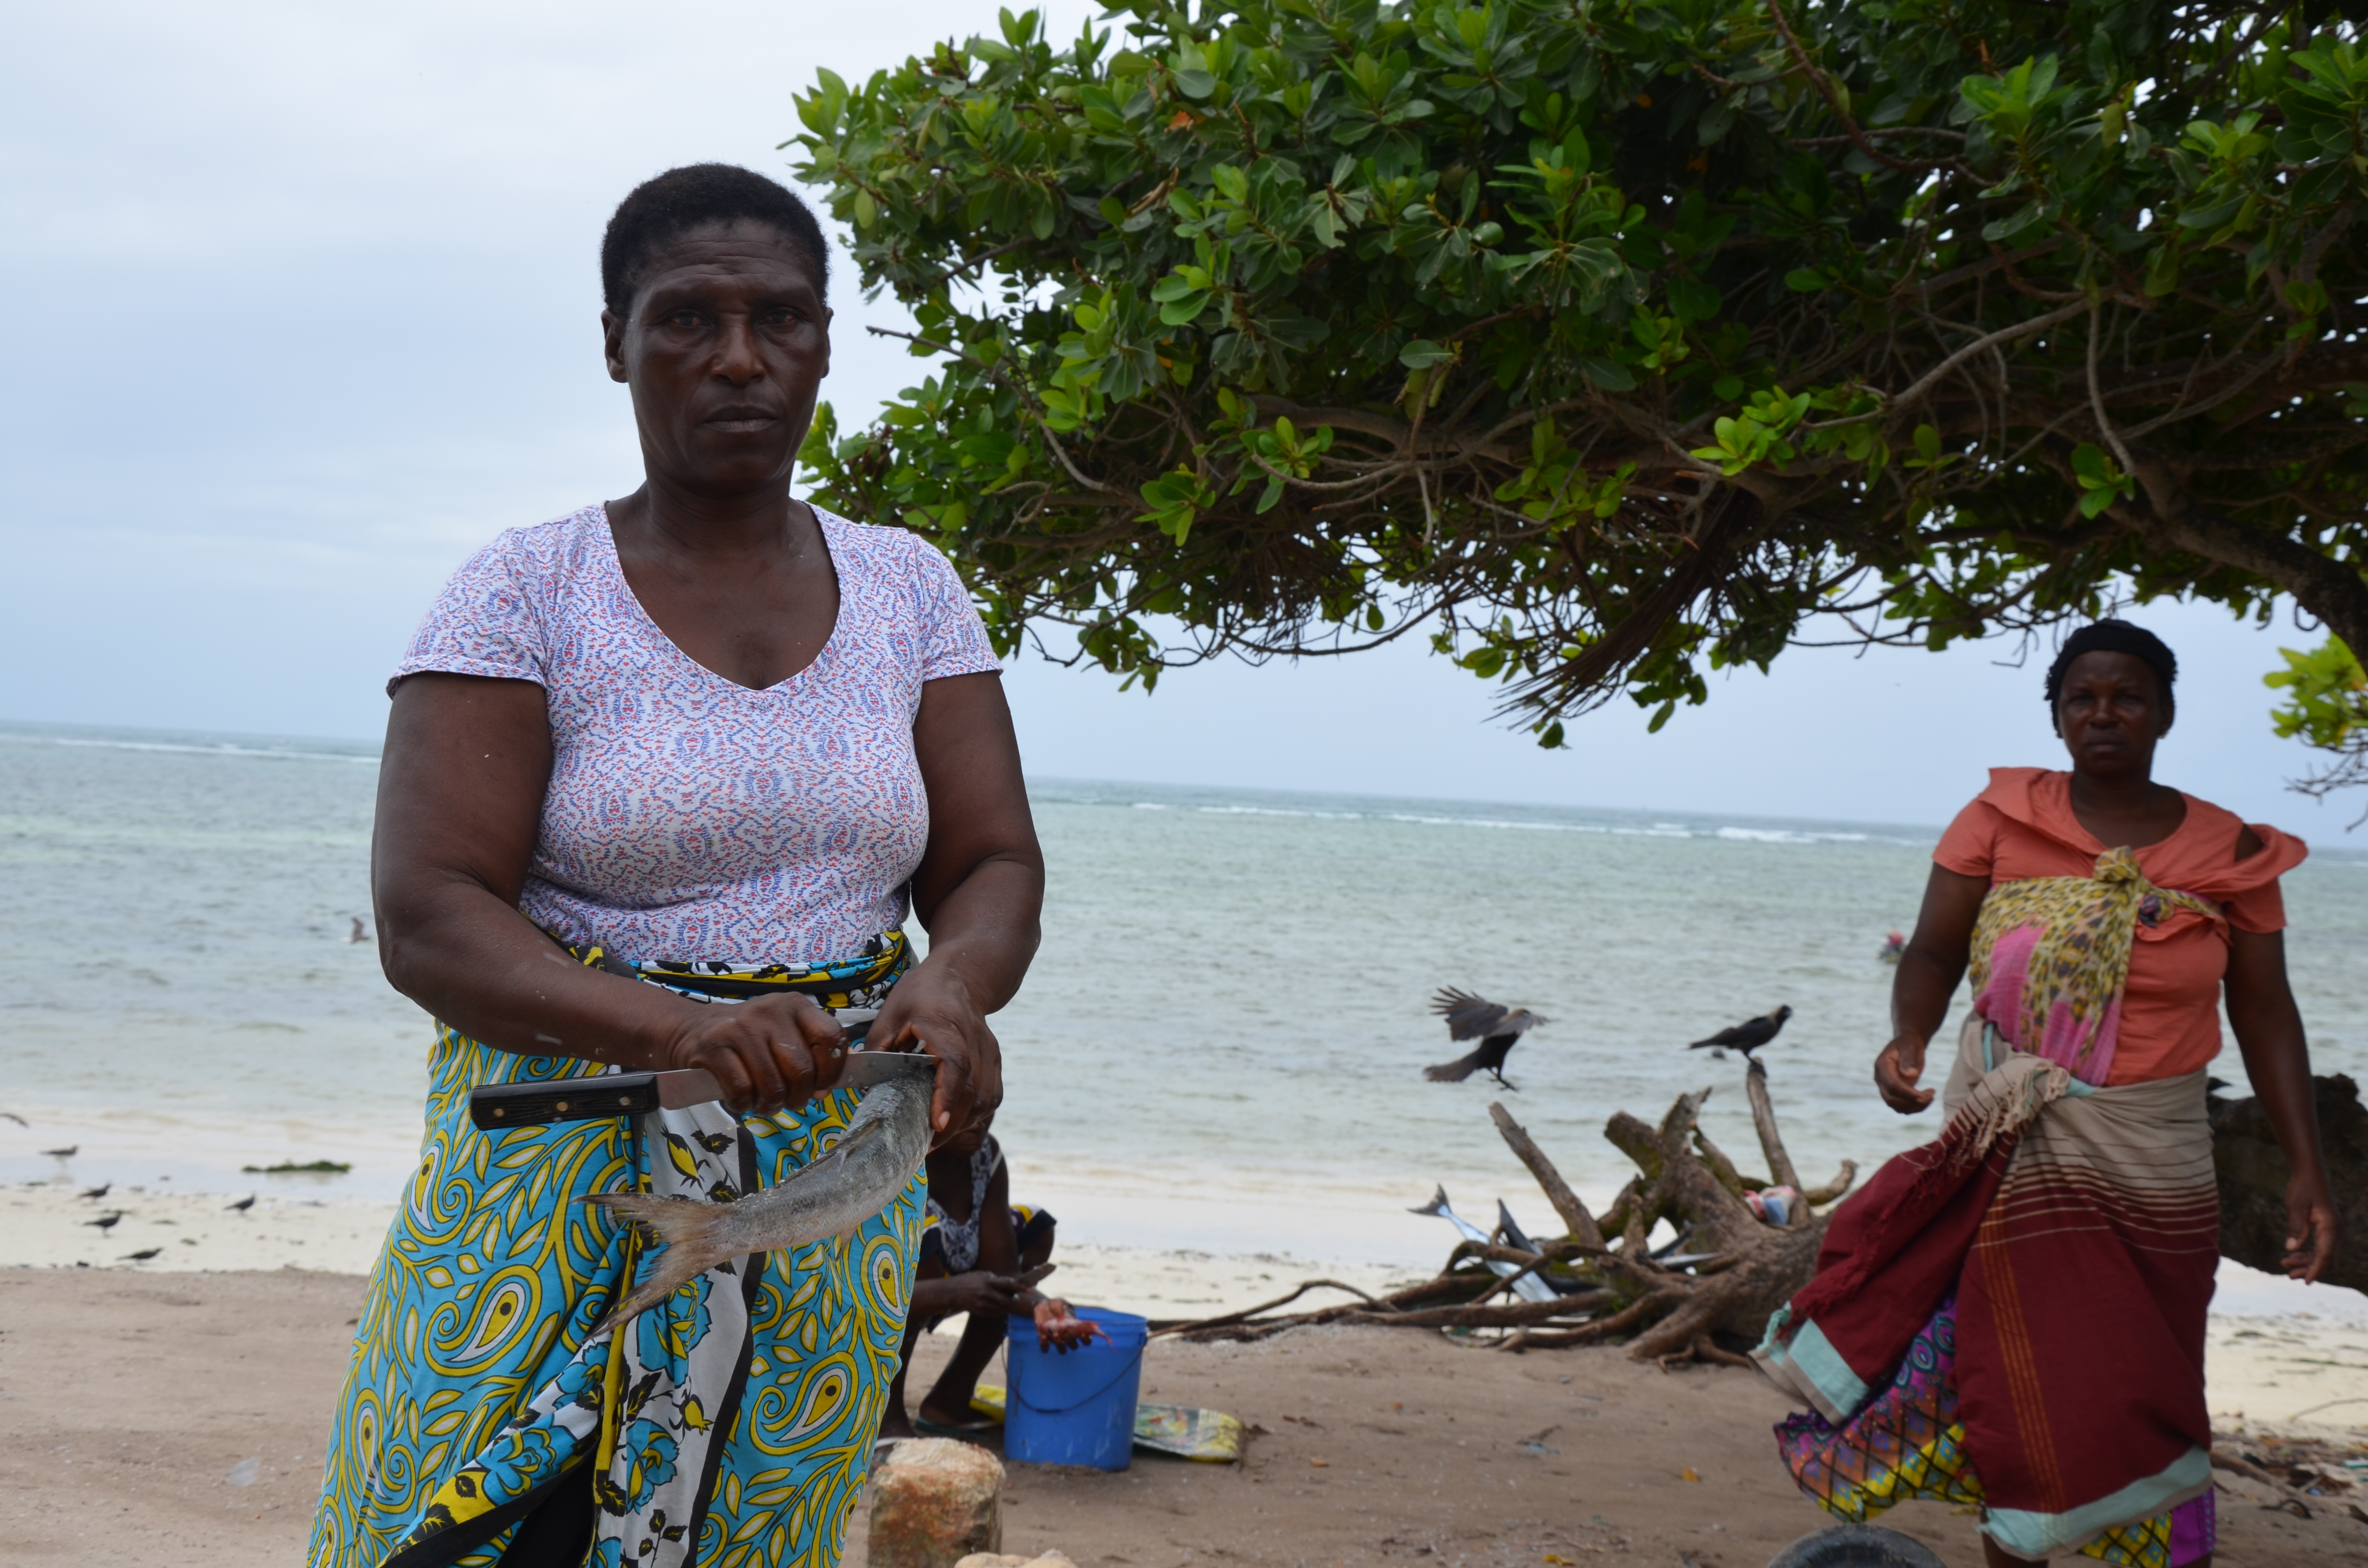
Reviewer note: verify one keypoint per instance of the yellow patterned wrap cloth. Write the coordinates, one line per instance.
(2051, 956)
(729, 1426)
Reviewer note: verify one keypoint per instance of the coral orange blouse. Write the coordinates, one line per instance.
(2022, 826)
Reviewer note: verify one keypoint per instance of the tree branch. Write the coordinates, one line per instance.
(2334, 591)
(1558, 1193)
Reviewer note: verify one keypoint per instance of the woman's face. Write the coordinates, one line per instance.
(2110, 713)
(725, 349)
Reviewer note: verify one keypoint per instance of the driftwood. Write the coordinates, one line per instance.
(1741, 1270)
(1558, 1193)
(2253, 1171)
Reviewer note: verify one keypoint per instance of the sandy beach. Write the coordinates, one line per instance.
(2278, 1354)
(193, 1428)
(193, 1431)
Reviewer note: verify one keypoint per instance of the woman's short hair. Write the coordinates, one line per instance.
(661, 210)
(2115, 637)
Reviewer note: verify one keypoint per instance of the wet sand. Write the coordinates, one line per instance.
(133, 1399)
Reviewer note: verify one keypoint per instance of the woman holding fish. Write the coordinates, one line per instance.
(2012, 1317)
(661, 781)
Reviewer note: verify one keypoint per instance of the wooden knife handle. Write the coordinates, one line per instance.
(497, 1105)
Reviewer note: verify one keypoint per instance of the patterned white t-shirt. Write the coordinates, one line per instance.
(689, 817)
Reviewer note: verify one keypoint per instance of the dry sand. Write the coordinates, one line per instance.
(134, 1402)
(2277, 1354)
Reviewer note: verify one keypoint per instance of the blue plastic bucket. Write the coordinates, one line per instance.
(1077, 1408)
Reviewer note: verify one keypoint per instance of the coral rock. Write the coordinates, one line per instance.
(934, 1503)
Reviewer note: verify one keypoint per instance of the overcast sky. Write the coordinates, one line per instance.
(305, 307)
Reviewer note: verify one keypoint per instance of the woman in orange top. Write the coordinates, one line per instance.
(2012, 1317)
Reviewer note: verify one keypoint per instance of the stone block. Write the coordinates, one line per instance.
(935, 1501)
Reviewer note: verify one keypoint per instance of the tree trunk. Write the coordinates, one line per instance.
(2253, 1174)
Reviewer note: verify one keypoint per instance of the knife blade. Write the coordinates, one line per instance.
(542, 1103)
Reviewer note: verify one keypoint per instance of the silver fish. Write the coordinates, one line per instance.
(883, 1146)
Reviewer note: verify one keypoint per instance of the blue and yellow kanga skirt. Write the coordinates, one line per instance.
(730, 1424)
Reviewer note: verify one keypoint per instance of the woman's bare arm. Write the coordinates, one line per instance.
(979, 892)
(460, 801)
(1930, 968)
(2277, 1058)
(998, 1246)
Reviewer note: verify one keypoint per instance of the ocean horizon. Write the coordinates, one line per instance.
(1220, 1047)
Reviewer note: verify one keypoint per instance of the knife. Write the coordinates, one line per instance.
(497, 1105)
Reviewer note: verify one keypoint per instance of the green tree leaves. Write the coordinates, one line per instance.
(2327, 705)
(1615, 342)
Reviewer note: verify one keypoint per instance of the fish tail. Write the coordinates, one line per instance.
(691, 1236)
(1437, 1204)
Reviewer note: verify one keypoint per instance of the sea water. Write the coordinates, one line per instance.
(1220, 1045)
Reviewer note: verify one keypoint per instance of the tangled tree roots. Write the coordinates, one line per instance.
(1720, 1280)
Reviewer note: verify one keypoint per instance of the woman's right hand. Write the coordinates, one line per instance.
(1896, 1071)
(996, 1295)
(768, 1052)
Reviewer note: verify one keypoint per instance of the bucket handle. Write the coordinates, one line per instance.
(1132, 1362)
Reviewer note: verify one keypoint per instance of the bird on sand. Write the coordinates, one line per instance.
(141, 1256)
(105, 1222)
(68, 1152)
(99, 1191)
(1746, 1037)
(243, 1204)
(1474, 1017)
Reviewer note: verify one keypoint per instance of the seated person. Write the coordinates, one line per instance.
(980, 1255)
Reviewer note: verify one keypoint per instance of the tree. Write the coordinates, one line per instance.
(1614, 340)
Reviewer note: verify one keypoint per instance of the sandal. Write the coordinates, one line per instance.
(965, 1430)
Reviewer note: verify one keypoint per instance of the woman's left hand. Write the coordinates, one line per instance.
(1060, 1329)
(2312, 1229)
(932, 1010)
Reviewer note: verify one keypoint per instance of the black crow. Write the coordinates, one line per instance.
(243, 1204)
(1473, 1017)
(141, 1256)
(105, 1222)
(1747, 1037)
(99, 1191)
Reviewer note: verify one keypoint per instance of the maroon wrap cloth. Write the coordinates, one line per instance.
(2078, 1229)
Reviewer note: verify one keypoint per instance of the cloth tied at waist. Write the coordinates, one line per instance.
(738, 1410)
(2078, 1230)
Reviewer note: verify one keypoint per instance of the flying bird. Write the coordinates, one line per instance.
(243, 1204)
(12, 1116)
(68, 1152)
(1746, 1037)
(1474, 1018)
(141, 1256)
(99, 1191)
(105, 1222)
(358, 934)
